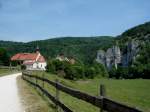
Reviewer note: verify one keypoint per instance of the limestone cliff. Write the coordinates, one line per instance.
(114, 56)
(109, 58)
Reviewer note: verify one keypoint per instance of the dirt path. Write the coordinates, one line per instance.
(9, 99)
(31, 100)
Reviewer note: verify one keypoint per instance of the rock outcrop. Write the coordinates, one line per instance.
(114, 56)
(109, 58)
(130, 52)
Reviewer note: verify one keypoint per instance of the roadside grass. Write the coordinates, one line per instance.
(135, 92)
(31, 100)
(4, 72)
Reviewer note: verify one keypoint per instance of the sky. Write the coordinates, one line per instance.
(28, 20)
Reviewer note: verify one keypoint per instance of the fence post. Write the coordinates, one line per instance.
(43, 81)
(57, 94)
(102, 95)
(36, 81)
(22, 75)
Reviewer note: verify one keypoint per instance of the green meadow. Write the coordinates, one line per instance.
(135, 92)
(4, 72)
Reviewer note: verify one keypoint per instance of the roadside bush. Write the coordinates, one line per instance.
(23, 67)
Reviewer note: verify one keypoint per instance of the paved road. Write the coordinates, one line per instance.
(9, 98)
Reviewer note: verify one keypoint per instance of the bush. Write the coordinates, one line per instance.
(76, 71)
(23, 67)
(90, 72)
(112, 72)
(70, 72)
(100, 69)
(122, 72)
(79, 72)
(50, 67)
(4, 58)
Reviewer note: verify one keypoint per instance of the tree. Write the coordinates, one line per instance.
(122, 72)
(4, 58)
(50, 67)
(90, 72)
(70, 72)
(100, 69)
(112, 72)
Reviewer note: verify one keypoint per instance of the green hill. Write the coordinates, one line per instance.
(137, 36)
(81, 48)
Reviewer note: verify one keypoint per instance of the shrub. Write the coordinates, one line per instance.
(112, 72)
(100, 69)
(70, 72)
(50, 67)
(23, 67)
(90, 72)
(79, 72)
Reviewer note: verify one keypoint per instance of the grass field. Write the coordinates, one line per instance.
(135, 93)
(30, 99)
(6, 72)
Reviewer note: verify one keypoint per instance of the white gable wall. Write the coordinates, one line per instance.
(42, 65)
(37, 66)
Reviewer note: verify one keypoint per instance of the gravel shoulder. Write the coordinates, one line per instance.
(31, 100)
(9, 98)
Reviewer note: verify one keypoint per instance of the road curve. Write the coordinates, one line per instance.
(9, 98)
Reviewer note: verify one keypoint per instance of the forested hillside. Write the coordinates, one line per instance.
(81, 48)
(135, 44)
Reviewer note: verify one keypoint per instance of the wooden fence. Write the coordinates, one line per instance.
(101, 102)
(8, 67)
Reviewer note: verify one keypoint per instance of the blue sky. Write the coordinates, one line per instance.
(27, 20)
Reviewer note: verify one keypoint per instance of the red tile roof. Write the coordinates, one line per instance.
(24, 56)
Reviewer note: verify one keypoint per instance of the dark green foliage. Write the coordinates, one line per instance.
(70, 72)
(142, 63)
(138, 30)
(14, 63)
(81, 48)
(112, 72)
(119, 73)
(140, 67)
(23, 67)
(100, 69)
(122, 72)
(79, 71)
(75, 71)
(50, 67)
(90, 72)
(4, 58)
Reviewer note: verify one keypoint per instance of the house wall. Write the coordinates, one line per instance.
(39, 65)
(42, 65)
(29, 67)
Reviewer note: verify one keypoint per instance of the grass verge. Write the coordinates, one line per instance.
(134, 92)
(4, 72)
(30, 99)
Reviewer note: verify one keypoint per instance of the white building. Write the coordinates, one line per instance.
(32, 61)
